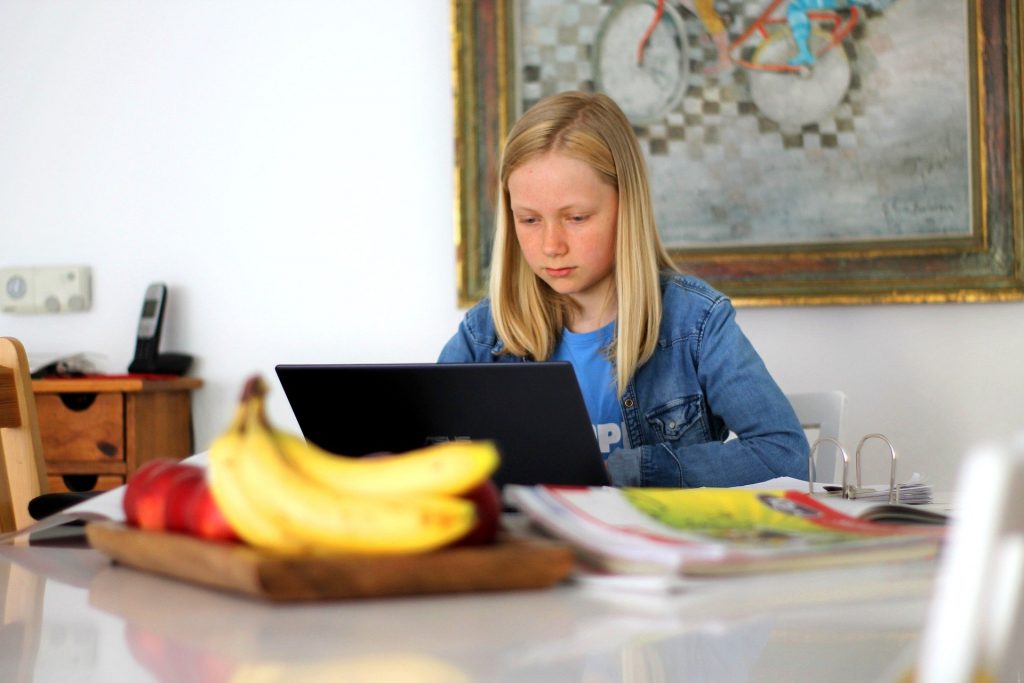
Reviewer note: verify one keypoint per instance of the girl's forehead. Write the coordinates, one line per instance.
(558, 183)
(553, 165)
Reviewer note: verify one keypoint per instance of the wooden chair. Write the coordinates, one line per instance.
(821, 416)
(22, 469)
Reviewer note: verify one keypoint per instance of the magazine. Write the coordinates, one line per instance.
(709, 531)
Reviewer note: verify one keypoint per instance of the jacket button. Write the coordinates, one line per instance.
(628, 403)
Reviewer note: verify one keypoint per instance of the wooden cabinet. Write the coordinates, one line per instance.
(97, 431)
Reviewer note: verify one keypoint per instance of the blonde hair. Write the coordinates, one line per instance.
(528, 314)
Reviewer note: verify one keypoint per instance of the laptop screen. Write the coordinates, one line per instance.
(533, 412)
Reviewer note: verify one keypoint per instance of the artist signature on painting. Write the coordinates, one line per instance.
(936, 214)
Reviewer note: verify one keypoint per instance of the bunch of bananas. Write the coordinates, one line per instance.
(283, 494)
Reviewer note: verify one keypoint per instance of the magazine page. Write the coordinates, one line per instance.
(870, 502)
(712, 530)
(914, 491)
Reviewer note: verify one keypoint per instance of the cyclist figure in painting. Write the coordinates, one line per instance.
(800, 24)
(715, 26)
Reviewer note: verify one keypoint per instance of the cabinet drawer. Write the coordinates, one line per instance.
(83, 482)
(82, 427)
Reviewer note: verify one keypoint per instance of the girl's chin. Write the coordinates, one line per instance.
(559, 284)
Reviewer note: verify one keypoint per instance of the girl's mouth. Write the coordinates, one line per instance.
(558, 272)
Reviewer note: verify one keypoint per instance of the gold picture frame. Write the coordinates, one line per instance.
(983, 263)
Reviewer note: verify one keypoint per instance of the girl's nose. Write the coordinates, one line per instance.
(554, 241)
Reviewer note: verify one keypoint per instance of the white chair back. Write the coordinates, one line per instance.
(821, 416)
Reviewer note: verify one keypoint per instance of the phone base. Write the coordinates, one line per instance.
(163, 364)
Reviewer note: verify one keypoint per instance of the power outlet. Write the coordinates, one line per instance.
(45, 289)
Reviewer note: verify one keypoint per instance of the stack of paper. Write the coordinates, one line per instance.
(915, 491)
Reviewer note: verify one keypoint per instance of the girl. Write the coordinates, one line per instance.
(579, 273)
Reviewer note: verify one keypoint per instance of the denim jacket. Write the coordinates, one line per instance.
(704, 380)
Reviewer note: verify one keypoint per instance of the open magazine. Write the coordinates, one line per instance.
(708, 531)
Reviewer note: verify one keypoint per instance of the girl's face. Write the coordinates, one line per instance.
(565, 219)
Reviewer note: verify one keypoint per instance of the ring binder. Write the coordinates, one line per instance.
(848, 491)
(894, 490)
(810, 465)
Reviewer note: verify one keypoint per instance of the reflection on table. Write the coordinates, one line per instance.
(70, 614)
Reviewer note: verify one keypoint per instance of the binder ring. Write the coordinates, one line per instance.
(894, 491)
(846, 463)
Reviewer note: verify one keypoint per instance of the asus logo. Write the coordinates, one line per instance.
(431, 440)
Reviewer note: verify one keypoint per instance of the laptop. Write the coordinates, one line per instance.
(533, 412)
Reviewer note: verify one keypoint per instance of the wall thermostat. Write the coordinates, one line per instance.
(45, 289)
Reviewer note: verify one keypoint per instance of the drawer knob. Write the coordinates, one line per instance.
(80, 482)
(77, 402)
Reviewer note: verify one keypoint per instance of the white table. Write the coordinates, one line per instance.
(69, 615)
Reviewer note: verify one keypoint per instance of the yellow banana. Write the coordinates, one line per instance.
(234, 502)
(447, 468)
(318, 520)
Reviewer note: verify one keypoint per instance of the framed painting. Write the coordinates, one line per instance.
(867, 151)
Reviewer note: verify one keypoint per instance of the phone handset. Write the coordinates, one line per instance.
(148, 358)
(147, 343)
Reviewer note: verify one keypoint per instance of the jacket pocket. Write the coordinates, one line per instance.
(679, 421)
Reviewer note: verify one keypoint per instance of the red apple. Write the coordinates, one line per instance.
(151, 506)
(204, 518)
(138, 482)
(178, 496)
(487, 500)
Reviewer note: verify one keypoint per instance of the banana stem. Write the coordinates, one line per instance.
(254, 388)
(251, 405)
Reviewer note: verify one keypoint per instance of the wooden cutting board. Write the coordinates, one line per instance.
(512, 563)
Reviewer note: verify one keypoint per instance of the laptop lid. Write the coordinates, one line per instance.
(533, 412)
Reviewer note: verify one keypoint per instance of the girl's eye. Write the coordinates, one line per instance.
(526, 220)
(579, 218)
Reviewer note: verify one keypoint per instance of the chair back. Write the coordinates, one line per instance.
(821, 415)
(22, 469)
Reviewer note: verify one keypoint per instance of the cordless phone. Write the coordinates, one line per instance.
(147, 343)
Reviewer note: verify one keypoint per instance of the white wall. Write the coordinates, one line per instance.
(286, 167)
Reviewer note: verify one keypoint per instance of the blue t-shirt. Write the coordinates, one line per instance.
(586, 352)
